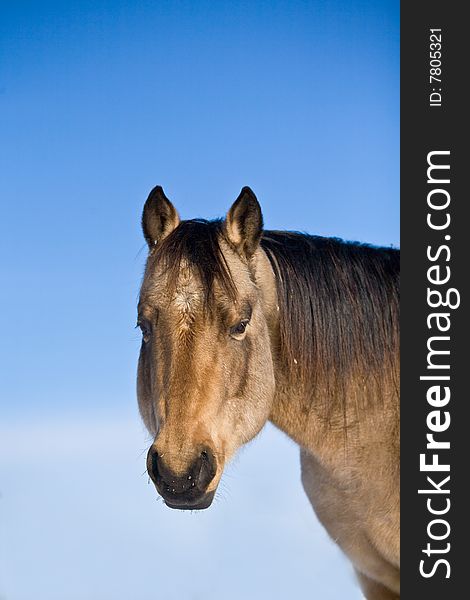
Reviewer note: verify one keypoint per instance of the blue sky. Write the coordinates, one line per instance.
(99, 102)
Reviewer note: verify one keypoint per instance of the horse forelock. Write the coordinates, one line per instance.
(193, 253)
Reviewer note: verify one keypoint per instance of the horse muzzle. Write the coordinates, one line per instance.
(187, 491)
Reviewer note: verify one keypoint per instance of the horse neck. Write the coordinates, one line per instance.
(289, 409)
(317, 417)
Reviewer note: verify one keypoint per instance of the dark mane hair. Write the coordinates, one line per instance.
(197, 243)
(339, 309)
(338, 301)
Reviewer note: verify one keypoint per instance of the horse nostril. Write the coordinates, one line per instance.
(208, 468)
(152, 464)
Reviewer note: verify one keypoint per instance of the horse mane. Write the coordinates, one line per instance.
(338, 301)
(339, 312)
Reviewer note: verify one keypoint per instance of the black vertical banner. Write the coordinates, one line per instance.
(435, 266)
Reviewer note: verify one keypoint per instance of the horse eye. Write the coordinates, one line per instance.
(145, 329)
(238, 330)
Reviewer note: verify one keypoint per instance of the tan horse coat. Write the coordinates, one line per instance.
(220, 357)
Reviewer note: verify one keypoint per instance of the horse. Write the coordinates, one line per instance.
(242, 325)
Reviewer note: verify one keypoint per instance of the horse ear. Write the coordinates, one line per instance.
(244, 223)
(159, 217)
